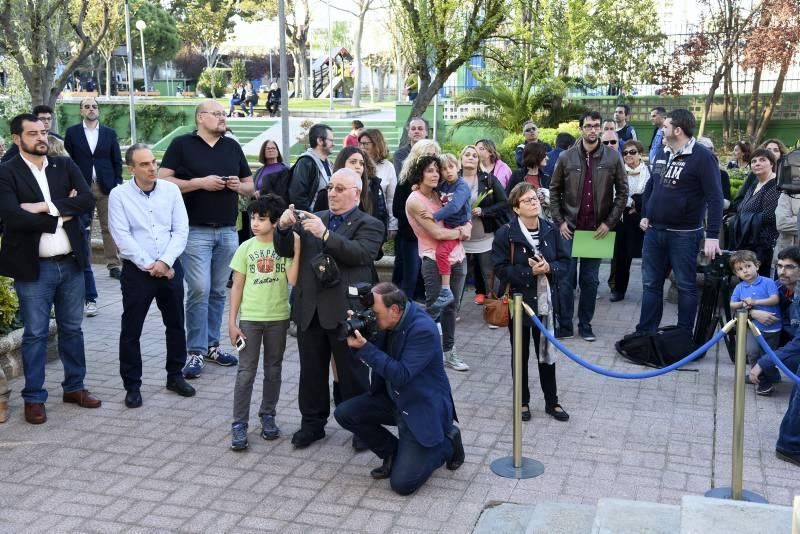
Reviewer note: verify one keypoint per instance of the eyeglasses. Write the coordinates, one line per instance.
(530, 201)
(591, 126)
(48, 118)
(529, 130)
(215, 114)
(366, 143)
(629, 152)
(611, 142)
(329, 139)
(339, 188)
(90, 106)
(787, 267)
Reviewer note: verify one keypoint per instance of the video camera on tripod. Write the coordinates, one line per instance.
(715, 298)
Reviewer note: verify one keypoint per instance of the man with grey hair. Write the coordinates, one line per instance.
(148, 220)
(212, 172)
(338, 246)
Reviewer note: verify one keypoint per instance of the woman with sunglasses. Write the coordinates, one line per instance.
(630, 237)
(529, 256)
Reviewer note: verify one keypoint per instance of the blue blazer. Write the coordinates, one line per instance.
(414, 368)
(107, 158)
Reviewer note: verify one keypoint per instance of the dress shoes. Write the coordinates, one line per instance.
(781, 455)
(82, 398)
(180, 386)
(457, 459)
(384, 471)
(305, 437)
(133, 398)
(35, 413)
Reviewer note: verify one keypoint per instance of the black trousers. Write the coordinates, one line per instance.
(138, 291)
(316, 345)
(547, 372)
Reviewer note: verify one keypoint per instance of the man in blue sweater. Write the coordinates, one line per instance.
(684, 184)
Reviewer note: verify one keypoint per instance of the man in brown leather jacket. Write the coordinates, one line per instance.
(588, 191)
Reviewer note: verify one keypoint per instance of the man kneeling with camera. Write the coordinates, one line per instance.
(409, 389)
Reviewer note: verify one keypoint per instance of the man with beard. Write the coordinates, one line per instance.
(211, 172)
(41, 200)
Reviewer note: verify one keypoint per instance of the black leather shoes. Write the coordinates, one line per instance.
(133, 398)
(305, 437)
(457, 459)
(526, 412)
(616, 297)
(384, 471)
(557, 412)
(786, 457)
(180, 386)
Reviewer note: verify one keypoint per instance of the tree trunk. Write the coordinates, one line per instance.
(108, 76)
(296, 74)
(356, 100)
(371, 86)
(769, 107)
(726, 106)
(752, 112)
(381, 74)
(427, 90)
(709, 101)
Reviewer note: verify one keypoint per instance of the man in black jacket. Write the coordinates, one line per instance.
(588, 191)
(95, 149)
(312, 171)
(41, 200)
(351, 238)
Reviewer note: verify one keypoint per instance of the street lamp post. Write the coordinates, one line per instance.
(330, 60)
(141, 26)
(130, 71)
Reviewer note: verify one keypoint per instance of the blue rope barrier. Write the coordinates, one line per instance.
(771, 353)
(628, 376)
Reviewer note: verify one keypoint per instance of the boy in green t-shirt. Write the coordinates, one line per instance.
(260, 292)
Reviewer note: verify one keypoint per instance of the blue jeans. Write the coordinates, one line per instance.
(789, 434)
(365, 416)
(205, 262)
(664, 249)
(407, 264)
(433, 286)
(60, 283)
(589, 279)
(88, 274)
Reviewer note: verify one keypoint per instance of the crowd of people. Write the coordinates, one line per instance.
(303, 260)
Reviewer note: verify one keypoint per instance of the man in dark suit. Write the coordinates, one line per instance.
(41, 200)
(352, 239)
(409, 389)
(95, 149)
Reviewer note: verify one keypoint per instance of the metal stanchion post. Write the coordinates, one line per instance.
(517, 466)
(736, 492)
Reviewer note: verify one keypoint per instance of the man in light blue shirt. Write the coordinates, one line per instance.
(148, 221)
(657, 116)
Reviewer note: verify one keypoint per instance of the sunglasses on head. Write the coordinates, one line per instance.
(630, 152)
(611, 142)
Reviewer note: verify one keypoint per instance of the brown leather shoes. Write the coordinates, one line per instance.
(82, 398)
(35, 413)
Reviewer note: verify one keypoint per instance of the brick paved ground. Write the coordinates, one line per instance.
(167, 466)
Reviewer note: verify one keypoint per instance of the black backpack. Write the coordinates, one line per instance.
(667, 346)
(788, 175)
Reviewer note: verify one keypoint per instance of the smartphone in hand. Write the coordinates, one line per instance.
(240, 343)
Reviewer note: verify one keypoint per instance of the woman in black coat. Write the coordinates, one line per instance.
(538, 249)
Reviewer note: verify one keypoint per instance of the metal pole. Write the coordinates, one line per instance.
(517, 383)
(517, 466)
(130, 72)
(796, 516)
(737, 466)
(284, 81)
(330, 61)
(435, 114)
(736, 491)
(144, 64)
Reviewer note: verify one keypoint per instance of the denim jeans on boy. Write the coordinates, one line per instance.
(205, 262)
(664, 249)
(588, 281)
(366, 416)
(789, 434)
(59, 283)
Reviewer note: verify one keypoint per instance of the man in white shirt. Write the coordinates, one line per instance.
(150, 226)
(41, 200)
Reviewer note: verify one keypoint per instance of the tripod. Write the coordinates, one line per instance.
(715, 300)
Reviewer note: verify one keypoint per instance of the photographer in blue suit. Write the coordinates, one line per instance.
(409, 389)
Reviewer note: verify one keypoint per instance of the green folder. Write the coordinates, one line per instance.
(584, 245)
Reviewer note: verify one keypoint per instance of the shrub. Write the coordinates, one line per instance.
(507, 147)
(212, 83)
(8, 304)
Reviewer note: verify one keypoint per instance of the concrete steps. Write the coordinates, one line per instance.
(695, 515)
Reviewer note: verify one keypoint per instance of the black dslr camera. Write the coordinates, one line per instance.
(364, 321)
(718, 267)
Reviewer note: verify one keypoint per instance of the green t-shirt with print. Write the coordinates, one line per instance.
(266, 288)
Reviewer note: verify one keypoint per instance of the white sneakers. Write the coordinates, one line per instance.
(455, 363)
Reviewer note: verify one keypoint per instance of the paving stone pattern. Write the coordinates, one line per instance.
(167, 466)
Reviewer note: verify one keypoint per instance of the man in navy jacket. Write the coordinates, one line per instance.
(684, 188)
(409, 389)
(95, 149)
